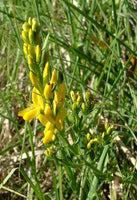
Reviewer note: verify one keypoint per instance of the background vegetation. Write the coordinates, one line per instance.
(93, 44)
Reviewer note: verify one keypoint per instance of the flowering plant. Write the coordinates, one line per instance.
(47, 103)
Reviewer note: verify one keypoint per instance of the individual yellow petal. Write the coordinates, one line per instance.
(60, 118)
(22, 112)
(48, 110)
(43, 119)
(60, 96)
(48, 91)
(48, 137)
(31, 114)
(37, 98)
(41, 103)
(53, 80)
(49, 126)
(48, 113)
(48, 133)
(35, 94)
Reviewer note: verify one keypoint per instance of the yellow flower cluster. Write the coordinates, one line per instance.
(106, 135)
(78, 101)
(91, 141)
(47, 103)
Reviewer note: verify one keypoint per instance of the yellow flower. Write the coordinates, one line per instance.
(38, 54)
(25, 37)
(46, 73)
(34, 109)
(48, 91)
(60, 96)
(25, 27)
(73, 96)
(31, 37)
(31, 51)
(60, 119)
(53, 80)
(48, 133)
(46, 116)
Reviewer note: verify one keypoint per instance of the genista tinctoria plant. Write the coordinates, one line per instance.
(47, 97)
(82, 109)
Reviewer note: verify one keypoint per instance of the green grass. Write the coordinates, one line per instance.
(93, 45)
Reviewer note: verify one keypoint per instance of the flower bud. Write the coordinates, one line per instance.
(88, 136)
(34, 24)
(73, 96)
(89, 145)
(31, 36)
(106, 126)
(95, 140)
(46, 73)
(49, 151)
(31, 63)
(30, 21)
(48, 91)
(25, 27)
(53, 137)
(31, 51)
(78, 101)
(25, 37)
(88, 95)
(38, 54)
(103, 134)
(25, 49)
(74, 106)
(34, 80)
(109, 130)
(79, 98)
(53, 80)
(83, 107)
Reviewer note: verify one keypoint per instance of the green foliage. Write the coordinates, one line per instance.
(92, 45)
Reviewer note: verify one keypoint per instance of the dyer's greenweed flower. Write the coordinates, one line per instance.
(34, 109)
(95, 140)
(47, 103)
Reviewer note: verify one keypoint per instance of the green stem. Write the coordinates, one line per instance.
(92, 191)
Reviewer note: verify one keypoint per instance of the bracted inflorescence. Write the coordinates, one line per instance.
(47, 103)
